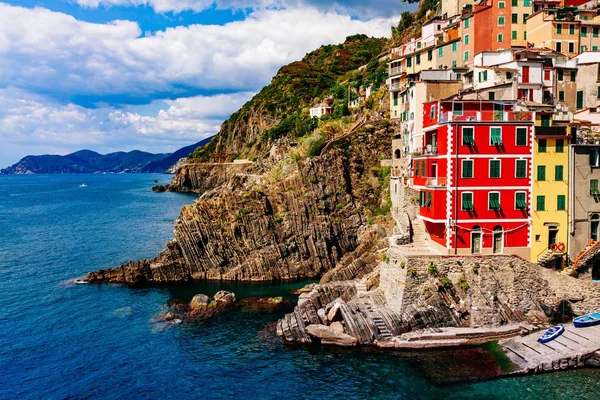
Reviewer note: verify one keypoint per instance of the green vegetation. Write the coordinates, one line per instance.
(316, 146)
(411, 273)
(278, 218)
(385, 257)
(402, 265)
(445, 282)
(475, 268)
(432, 269)
(462, 283)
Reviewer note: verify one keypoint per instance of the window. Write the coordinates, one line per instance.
(514, 35)
(453, 63)
(418, 59)
(500, 21)
(583, 31)
(495, 135)
(509, 75)
(476, 240)
(541, 203)
(467, 23)
(571, 29)
(467, 137)
(466, 39)
(440, 51)
(491, 96)
(598, 95)
(561, 202)
(561, 95)
(467, 201)
(454, 47)
(467, 169)
(558, 173)
(515, 18)
(520, 201)
(521, 169)
(494, 168)
(579, 100)
(525, 16)
(432, 112)
(526, 3)
(560, 74)
(521, 136)
(429, 55)
(595, 222)
(559, 29)
(558, 47)
(501, 4)
(595, 32)
(457, 109)
(524, 35)
(500, 38)
(409, 62)
(542, 146)
(515, 3)
(428, 202)
(423, 168)
(594, 187)
(581, 49)
(416, 168)
(571, 47)
(494, 201)
(421, 199)
(594, 158)
(546, 75)
(560, 145)
(466, 58)
(418, 45)
(541, 173)
(395, 99)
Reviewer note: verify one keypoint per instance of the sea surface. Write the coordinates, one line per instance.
(59, 340)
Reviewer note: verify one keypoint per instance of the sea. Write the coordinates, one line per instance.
(60, 340)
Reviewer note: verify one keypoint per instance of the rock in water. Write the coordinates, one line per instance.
(334, 313)
(199, 302)
(225, 297)
(328, 335)
(337, 326)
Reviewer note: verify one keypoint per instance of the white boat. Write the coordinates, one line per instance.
(83, 185)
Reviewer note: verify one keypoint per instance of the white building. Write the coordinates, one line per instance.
(318, 112)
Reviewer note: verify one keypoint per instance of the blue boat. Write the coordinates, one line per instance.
(552, 334)
(587, 320)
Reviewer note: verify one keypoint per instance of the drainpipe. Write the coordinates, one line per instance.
(567, 258)
(456, 190)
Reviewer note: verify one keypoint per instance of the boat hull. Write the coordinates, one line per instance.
(587, 320)
(552, 334)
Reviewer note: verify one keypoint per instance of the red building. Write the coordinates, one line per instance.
(474, 176)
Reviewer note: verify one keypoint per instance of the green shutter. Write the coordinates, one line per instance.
(526, 3)
(494, 201)
(525, 16)
(521, 169)
(421, 199)
(423, 171)
(561, 95)
(514, 35)
(561, 203)
(580, 100)
(542, 145)
(467, 23)
(598, 95)
(485, 75)
(521, 136)
(521, 201)
(515, 3)
(558, 173)
(467, 169)
(560, 146)
(416, 168)
(496, 136)
(467, 137)
(515, 18)
(573, 76)
(454, 46)
(495, 169)
(558, 29)
(541, 173)
(594, 187)
(429, 196)
(467, 201)
(541, 203)
(583, 31)
(571, 29)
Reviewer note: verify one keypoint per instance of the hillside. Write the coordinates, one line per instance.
(166, 163)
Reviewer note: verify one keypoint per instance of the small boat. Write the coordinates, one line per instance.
(587, 320)
(552, 334)
(81, 282)
(83, 185)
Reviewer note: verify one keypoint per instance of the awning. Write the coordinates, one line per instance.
(521, 204)
(496, 137)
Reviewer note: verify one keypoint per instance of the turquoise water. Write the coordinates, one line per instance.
(64, 341)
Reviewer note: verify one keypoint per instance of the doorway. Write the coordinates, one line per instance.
(434, 174)
(498, 243)
(552, 235)
(476, 240)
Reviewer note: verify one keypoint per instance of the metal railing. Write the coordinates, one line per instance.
(396, 71)
(485, 116)
(436, 182)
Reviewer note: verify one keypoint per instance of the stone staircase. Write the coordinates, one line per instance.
(384, 332)
(361, 288)
(548, 257)
(419, 244)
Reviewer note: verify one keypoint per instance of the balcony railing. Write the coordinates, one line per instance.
(396, 71)
(485, 116)
(436, 182)
(396, 86)
(551, 130)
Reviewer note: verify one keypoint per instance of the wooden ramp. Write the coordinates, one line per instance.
(570, 350)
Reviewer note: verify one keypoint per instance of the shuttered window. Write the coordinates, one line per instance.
(541, 173)
(521, 169)
(521, 136)
(467, 201)
(467, 168)
(496, 136)
(521, 203)
(542, 145)
(560, 145)
(428, 202)
(558, 173)
(495, 169)
(594, 187)
(541, 203)
(561, 203)
(467, 137)
(494, 201)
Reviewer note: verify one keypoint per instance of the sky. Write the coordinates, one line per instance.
(153, 75)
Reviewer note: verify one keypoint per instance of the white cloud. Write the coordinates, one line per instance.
(53, 53)
(33, 124)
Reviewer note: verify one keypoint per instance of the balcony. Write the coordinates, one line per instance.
(396, 71)
(437, 182)
(485, 116)
(550, 130)
(397, 87)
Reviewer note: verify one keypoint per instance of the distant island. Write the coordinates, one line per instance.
(90, 162)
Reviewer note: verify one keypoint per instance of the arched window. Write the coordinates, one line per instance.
(498, 239)
(397, 153)
(476, 239)
(594, 223)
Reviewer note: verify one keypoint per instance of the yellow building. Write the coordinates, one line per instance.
(550, 192)
(555, 29)
(520, 11)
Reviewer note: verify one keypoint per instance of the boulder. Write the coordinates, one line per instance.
(263, 303)
(224, 297)
(328, 335)
(322, 315)
(199, 301)
(335, 314)
(337, 326)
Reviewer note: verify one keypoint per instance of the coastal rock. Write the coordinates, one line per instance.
(328, 335)
(322, 315)
(337, 326)
(263, 303)
(224, 297)
(199, 302)
(334, 313)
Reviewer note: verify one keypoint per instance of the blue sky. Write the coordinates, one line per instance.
(154, 75)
